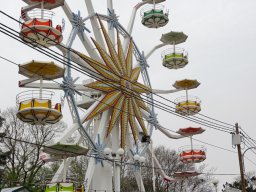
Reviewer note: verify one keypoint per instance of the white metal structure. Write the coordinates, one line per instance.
(117, 107)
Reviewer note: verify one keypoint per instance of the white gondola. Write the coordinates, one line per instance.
(154, 16)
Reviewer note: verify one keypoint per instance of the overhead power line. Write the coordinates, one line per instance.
(155, 104)
(69, 49)
(120, 162)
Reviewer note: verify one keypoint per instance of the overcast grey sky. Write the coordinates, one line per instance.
(222, 49)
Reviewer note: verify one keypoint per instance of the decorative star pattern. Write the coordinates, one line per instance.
(122, 91)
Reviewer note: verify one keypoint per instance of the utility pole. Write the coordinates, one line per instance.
(237, 142)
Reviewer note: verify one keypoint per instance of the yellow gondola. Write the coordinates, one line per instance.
(188, 105)
(35, 106)
(38, 111)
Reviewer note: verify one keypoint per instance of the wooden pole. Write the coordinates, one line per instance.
(240, 161)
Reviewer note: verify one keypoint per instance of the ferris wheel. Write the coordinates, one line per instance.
(119, 116)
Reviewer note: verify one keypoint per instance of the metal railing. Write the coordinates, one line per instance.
(34, 94)
(187, 99)
(39, 14)
(188, 148)
(176, 51)
(148, 8)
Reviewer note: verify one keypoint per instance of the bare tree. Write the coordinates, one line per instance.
(250, 181)
(25, 143)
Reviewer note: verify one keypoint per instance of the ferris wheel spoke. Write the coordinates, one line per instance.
(54, 86)
(111, 31)
(158, 165)
(22, 83)
(158, 91)
(154, 49)
(131, 24)
(94, 23)
(168, 134)
(73, 129)
(88, 46)
(124, 122)
(102, 126)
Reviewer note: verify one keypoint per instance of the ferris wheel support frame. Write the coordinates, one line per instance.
(92, 170)
(144, 74)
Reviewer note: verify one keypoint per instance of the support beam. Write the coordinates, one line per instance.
(95, 24)
(131, 24)
(158, 91)
(160, 169)
(154, 49)
(24, 82)
(115, 147)
(83, 38)
(137, 174)
(167, 133)
(55, 86)
(111, 30)
(93, 171)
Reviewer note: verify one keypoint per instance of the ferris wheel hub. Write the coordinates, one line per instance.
(126, 87)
